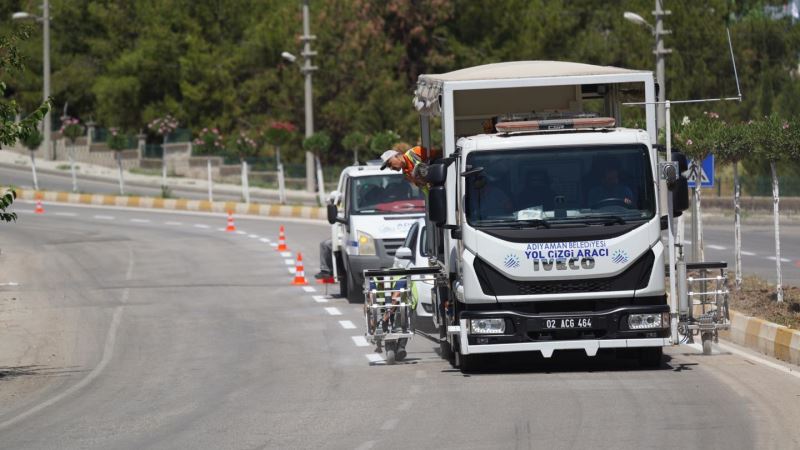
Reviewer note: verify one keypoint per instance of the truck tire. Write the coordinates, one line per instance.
(354, 291)
(444, 346)
(650, 357)
(466, 363)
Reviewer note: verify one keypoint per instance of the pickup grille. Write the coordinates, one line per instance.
(634, 277)
(391, 245)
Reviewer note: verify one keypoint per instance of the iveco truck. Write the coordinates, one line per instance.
(546, 211)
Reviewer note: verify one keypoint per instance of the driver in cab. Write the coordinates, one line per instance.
(610, 190)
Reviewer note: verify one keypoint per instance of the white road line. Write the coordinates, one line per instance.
(390, 424)
(265, 240)
(65, 214)
(240, 232)
(140, 220)
(772, 258)
(108, 352)
(716, 247)
(309, 289)
(360, 341)
(292, 270)
(273, 244)
(173, 223)
(347, 325)
(23, 211)
(102, 217)
(334, 311)
(374, 357)
(288, 262)
(10, 283)
(286, 254)
(320, 299)
(253, 236)
(748, 253)
(746, 355)
(220, 229)
(200, 225)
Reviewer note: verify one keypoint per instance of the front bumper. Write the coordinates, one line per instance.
(525, 332)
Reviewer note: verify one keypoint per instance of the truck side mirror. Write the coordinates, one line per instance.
(436, 206)
(333, 211)
(680, 189)
(403, 253)
(437, 174)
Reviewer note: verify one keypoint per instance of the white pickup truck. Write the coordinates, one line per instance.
(370, 213)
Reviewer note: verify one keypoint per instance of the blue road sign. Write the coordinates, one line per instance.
(703, 172)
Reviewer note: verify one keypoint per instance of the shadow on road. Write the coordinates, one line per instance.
(7, 373)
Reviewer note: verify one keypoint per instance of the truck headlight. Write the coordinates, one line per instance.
(645, 321)
(487, 326)
(366, 243)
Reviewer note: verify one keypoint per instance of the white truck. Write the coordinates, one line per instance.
(546, 215)
(370, 214)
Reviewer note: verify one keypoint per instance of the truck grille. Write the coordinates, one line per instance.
(634, 277)
(391, 245)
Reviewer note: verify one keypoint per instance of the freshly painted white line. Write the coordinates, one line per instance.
(264, 240)
(366, 445)
(253, 236)
(174, 223)
(288, 262)
(102, 217)
(320, 298)
(292, 270)
(240, 232)
(309, 289)
(374, 357)
(65, 214)
(748, 253)
(200, 225)
(390, 424)
(347, 325)
(716, 247)
(772, 258)
(108, 352)
(140, 220)
(746, 355)
(220, 229)
(286, 254)
(334, 311)
(273, 244)
(10, 283)
(360, 341)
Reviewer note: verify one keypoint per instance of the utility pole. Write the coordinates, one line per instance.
(660, 53)
(307, 70)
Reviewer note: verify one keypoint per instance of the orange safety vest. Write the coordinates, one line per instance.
(414, 156)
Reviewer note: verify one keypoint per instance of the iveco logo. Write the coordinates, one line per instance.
(511, 261)
(620, 257)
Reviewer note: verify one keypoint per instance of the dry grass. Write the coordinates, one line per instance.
(757, 298)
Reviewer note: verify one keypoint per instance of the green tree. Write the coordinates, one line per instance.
(383, 141)
(357, 142)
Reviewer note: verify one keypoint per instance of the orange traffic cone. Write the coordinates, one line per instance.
(282, 241)
(299, 273)
(39, 209)
(231, 226)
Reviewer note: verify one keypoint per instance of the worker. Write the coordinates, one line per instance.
(610, 190)
(325, 260)
(411, 163)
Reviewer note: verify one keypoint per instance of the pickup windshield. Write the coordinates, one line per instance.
(384, 194)
(548, 186)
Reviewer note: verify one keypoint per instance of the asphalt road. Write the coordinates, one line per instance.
(166, 332)
(21, 176)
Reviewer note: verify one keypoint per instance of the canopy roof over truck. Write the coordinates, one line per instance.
(483, 92)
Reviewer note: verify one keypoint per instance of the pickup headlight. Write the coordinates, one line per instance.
(645, 321)
(487, 326)
(366, 244)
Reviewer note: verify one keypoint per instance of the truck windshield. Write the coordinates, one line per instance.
(384, 194)
(545, 186)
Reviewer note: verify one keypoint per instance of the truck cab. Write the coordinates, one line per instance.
(545, 212)
(370, 213)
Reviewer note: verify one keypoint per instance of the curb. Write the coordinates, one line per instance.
(253, 209)
(765, 337)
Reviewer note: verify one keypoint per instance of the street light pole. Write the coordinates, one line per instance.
(48, 125)
(660, 52)
(307, 70)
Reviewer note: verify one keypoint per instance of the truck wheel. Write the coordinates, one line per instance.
(650, 357)
(467, 363)
(354, 291)
(444, 346)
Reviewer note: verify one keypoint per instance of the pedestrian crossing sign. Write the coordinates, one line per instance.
(704, 172)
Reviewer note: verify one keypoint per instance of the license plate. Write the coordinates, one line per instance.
(563, 323)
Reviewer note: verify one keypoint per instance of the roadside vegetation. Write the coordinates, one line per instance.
(758, 298)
